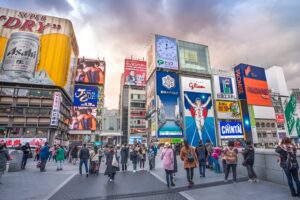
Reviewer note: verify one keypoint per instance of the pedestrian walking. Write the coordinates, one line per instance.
(74, 154)
(167, 156)
(112, 165)
(44, 156)
(190, 161)
(94, 161)
(175, 160)
(151, 158)
(134, 157)
(155, 154)
(124, 157)
(288, 162)
(60, 156)
(4, 157)
(26, 151)
(230, 155)
(142, 154)
(215, 157)
(54, 153)
(37, 153)
(202, 154)
(84, 155)
(100, 155)
(210, 148)
(249, 155)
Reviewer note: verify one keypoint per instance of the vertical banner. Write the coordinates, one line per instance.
(168, 105)
(150, 88)
(55, 109)
(289, 114)
(166, 52)
(198, 110)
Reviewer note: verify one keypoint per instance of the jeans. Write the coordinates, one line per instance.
(210, 161)
(169, 176)
(134, 166)
(217, 165)
(43, 164)
(111, 176)
(142, 163)
(202, 170)
(124, 167)
(85, 162)
(250, 170)
(189, 174)
(24, 161)
(151, 164)
(290, 175)
(228, 166)
(59, 164)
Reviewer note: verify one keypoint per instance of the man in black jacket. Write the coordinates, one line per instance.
(248, 162)
(84, 155)
(26, 151)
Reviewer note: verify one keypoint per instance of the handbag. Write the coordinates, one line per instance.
(115, 162)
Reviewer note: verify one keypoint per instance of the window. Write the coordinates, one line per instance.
(23, 92)
(273, 125)
(268, 125)
(15, 132)
(274, 135)
(257, 124)
(259, 135)
(7, 91)
(263, 125)
(18, 111)
(5, 111)
(3, 132)
(29, 132)
(33, 111)
(41, 133)
(264, 135)
(45, 111)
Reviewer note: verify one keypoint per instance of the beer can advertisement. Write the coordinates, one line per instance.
(228, 110)
(168, 105)
(224, 88)
(25, 60)
(166, 52)
(85, 96)
(135, 72)
(231, 130)
(90, 71)
(83, 118)
(198, 110)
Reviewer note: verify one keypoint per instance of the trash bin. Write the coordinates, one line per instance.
(16, 162)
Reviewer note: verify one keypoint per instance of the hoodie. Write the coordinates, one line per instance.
(216, 153)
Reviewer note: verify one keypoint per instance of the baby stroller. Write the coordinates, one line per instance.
(94, 167)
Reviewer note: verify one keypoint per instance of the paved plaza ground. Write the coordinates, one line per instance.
(142, 185)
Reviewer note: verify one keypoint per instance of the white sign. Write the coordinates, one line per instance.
(196, 85)
(166, 52)
(55, 109)
(224, 87)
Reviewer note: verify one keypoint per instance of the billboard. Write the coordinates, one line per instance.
(228, 110)
(280, 118)
(150, 60)
(37, 49)
(193, 57)
(90, 71)
(83, 118)
(289, 113)
(168, 105)
(252, 85)
(55, 109)
(135, 139)
(224, 88)
(198, 110)
(151, 94)
(166, 52)
(15, 142)
(135, 72)
(85, 96)
(231, 130)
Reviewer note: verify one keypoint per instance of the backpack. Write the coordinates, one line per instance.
(190, 157)
(291, 161)
(201, 153)
(231, 156)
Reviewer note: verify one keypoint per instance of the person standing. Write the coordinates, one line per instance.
(94, 161)
(26, 151)
(249, 155)
(142, 154)
(134, 157)
(175, 160)
(155, 154)
(74, 154)
(210, 149)
(215, 157)
(288, 162)
(124, 157)
(4, 157)
(100, 154)
(202, 154)
(54, 152)
(111, 164)
(190, 161)
(230, 154)
(151, 158)
(44, 156)
(60, 156)
(84, 155)
(167, 156)
(37, 153)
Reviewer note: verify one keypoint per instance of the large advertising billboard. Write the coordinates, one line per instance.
(228, 110)
(37, 49)
(231, 130)
(135, 72)
(85, 96)
(151, 94)
(166, 52)
(224, 88)
(252, 85)
(90, 71)
(289, 113)
(198, 110)
(168, 105)
(193, 57)
(83, 118)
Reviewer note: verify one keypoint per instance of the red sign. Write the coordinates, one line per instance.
(135, 72)
(14, 142)
(280, 118)
(257, 92)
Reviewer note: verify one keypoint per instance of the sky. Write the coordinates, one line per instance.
(260, 33)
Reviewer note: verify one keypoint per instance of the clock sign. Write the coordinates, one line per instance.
(166, 52)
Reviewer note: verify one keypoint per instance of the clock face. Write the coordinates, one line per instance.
(166, 48)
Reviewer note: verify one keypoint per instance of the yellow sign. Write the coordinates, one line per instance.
(165, 140)
(190, 56)
(228, 109)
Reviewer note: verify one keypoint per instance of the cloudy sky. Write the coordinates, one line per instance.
(261, 33)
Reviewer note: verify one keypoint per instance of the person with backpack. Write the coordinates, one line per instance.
(202, 154)
(248, 162)
(84, 155)
(288, 162)
(230, 155)
(190, 161)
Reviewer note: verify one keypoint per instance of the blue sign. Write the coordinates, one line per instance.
(225, 85)
(231, 130)
(169, 113)
(137, 139)
(85, 96)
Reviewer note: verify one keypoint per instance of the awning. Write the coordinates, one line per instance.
(111, 134)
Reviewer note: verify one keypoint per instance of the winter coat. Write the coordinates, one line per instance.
(184, 153)
(3, 159)
(283, 151)
(201, 151)
(249, 155)
(84, 153)
(167, 156)
(44, 153)
(110, 169)
(60, 154)
(216, 154)
(124, 155)
(134, 156)
(226, 150)
(26, 150)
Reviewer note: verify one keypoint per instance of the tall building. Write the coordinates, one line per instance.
(110, 131)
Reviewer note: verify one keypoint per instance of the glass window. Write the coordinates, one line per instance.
(33, 111)
(15, 132)
(23, 92)
(18, 111)
(264, 135)
(5, 111)
(263, 124)
(273, 125)
(274, 135)
(45, 111)
(35, 93)
(257, 124)
(41, 133)
(3, 132)
(268, 125)
(7, 91)
(259, 135)
(29, 132)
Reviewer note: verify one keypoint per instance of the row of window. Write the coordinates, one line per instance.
(26, 92)
(23, 132)
(25, 111)
(264, 135)
(138, 97)
(263, 125)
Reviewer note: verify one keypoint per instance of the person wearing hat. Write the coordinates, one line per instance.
(167, 156)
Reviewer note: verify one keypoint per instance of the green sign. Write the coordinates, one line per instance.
(298, 126)
(176, 140)
(289, 114)
(252, 118)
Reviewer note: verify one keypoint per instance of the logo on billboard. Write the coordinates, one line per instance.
(86, 96)
(225, 85)
(196, 85)
(166, 52)
(168, 82)
(231, 130)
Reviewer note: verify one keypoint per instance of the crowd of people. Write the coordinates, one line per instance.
(204, 156)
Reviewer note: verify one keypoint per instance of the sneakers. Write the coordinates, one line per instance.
(251, 181)
(172, 184)
(256, 180)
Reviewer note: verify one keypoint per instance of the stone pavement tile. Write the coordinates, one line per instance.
(168, 196)
(243, 190)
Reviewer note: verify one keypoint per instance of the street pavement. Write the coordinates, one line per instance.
(142, 185)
